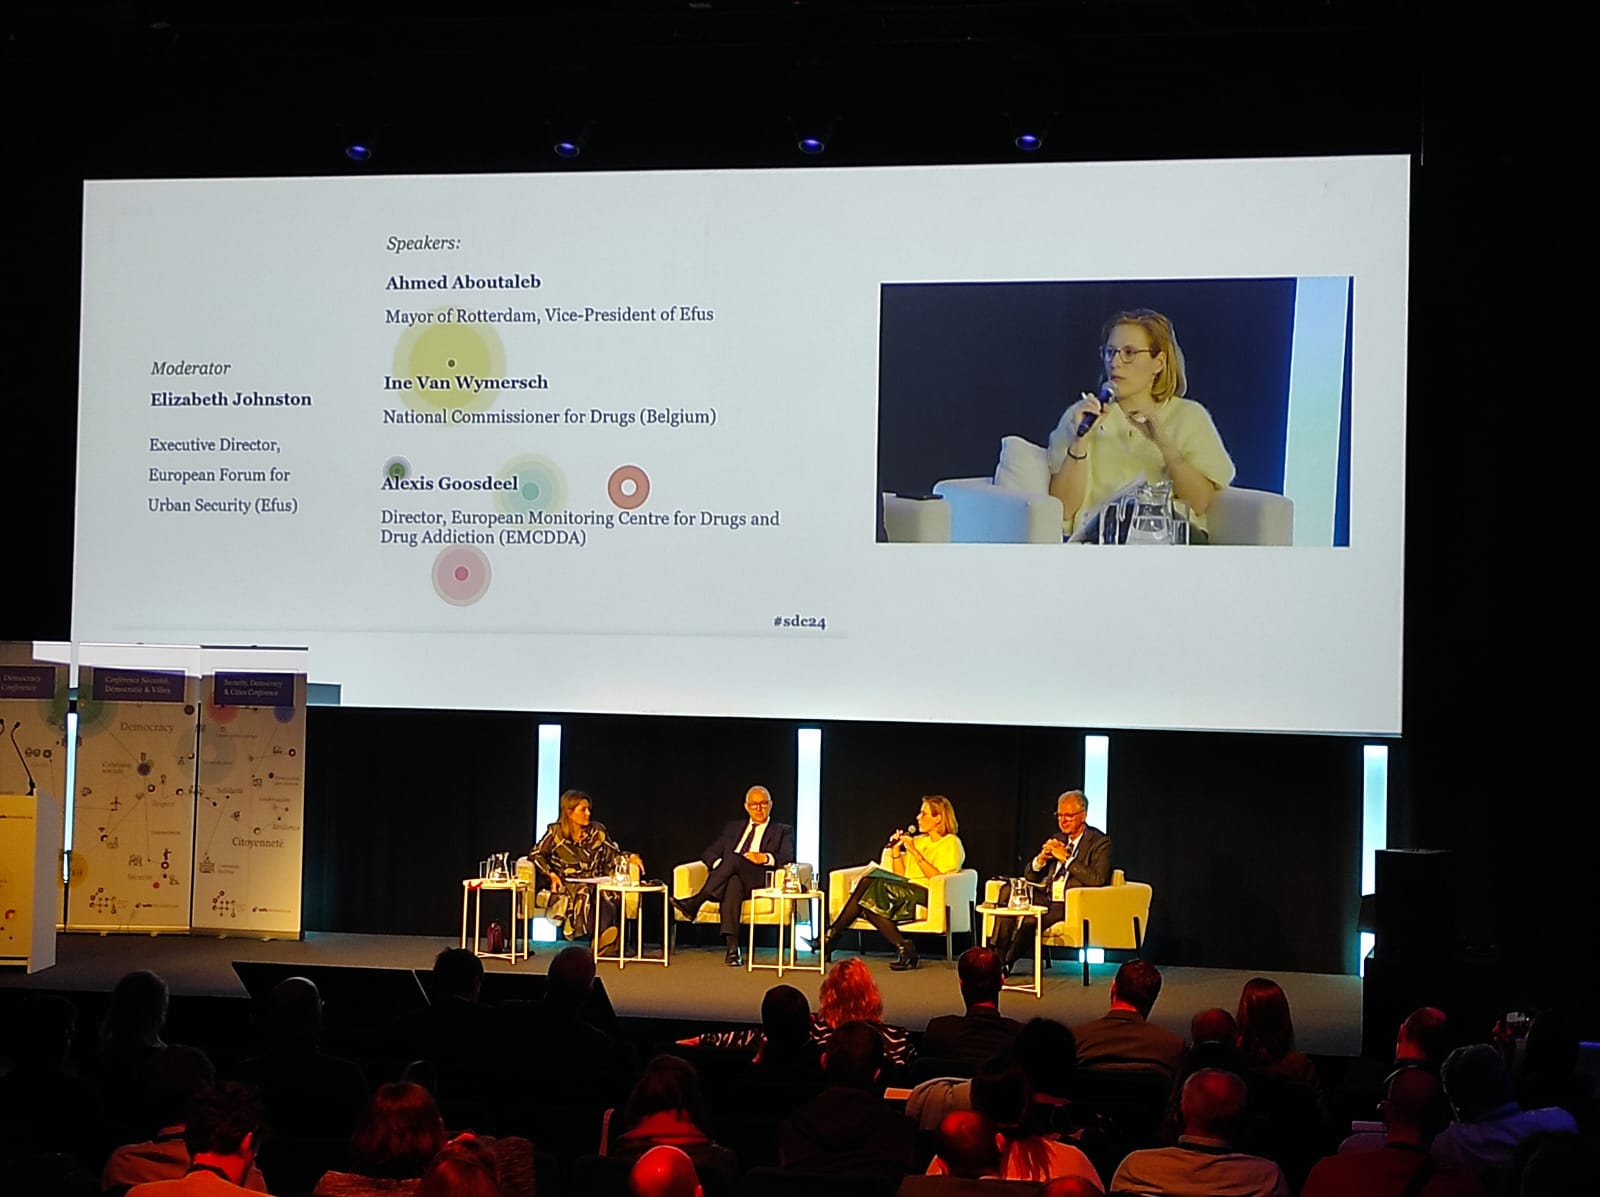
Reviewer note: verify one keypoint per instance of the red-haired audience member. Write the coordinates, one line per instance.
(982, 1032)
(221, 1126)
(1489, 1125)
(1266, 1036)
(464, 1167)
(849, 994)
(176, 1076)
(668, 1108)
(1124, 1037)
(1394, 1168)
(306, 1091)
(972, 1150)
(1002, 1094)
(394, 1141)
(848, 1127)
(664, 1172)
(1204, 1162)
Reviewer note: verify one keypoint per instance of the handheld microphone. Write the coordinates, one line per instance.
(32, 786)
(1108, 394)
(910, 829)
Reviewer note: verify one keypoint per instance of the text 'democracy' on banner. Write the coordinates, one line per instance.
(250, 804)
(133, 829)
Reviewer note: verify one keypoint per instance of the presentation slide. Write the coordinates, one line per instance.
(624, 442)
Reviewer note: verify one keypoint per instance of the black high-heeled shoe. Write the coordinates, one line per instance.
(907, 959)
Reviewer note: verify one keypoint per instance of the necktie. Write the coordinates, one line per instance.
(744, 843)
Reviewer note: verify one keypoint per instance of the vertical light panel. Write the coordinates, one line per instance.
(1096, 773)
(547, 804)
(1374, 825)
(808, 812)
(1316, 394)
(69, 804)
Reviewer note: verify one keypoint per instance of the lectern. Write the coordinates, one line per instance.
(30, 854)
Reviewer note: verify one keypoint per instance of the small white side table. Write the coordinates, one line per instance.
(521, 891)
(1021, 914)
(627, 889)
(788, 905)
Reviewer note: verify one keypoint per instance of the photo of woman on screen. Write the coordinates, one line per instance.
(1145, 424)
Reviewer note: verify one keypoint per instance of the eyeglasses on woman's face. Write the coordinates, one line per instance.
(1123, 353)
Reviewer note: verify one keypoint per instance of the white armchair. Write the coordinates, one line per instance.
(952, 898)
(916, 521)
(688, 878)
(1097, 916)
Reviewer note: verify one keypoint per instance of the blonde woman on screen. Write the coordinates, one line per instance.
(1144, 425)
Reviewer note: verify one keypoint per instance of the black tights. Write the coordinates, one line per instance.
(852, 910)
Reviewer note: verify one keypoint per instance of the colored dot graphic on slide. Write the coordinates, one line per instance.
(461, 575)
(628, 486)
(440, 359)
(397, 468)
(541, 486)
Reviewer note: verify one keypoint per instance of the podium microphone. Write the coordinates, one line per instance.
(32, 785)
(1108, 394)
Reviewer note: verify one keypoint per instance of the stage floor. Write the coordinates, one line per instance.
(697, 985)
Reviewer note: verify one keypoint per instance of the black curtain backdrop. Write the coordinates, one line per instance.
(962, 365)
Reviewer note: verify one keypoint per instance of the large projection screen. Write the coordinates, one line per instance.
(616, 442)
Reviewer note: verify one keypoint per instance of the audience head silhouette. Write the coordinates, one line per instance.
(570, 979)
(1048, 1053)
(398, 1134)
(1213, 1026)
(849, 994)
(1136, 985)
(1001, 1092)
(463, 1168)
(1476, 1080)
(293, 1012)
(458, 973)
(981, 977)
(1213, 1104)
(668, 1084)
(221, 1126)
(854, 1056)
(785, 1016)
(138, 1010)
(1424, 1036)
(969, 1145)
(1266, 1031)
(664, 1172)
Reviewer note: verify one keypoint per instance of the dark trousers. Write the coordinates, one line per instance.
(1008, 940)
(728, 883)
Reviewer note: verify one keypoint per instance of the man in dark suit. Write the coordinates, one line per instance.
(1076, 854)
(1123, 1037)
(982, 1032)
(739, 859)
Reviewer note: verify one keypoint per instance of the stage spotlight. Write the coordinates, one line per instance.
(811, 145)
(1028, 142)
(565, 148)
(359, 151)
(1028, 127)
(568, 136)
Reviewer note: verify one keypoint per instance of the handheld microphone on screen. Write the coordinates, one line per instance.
(32, 785)
(1108, 394)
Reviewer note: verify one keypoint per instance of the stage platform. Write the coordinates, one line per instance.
(698, 985)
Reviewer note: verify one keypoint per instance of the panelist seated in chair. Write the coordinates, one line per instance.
(935, 851)
(739, 859)
(1075, 855)
(575, 845)
(1146, 427)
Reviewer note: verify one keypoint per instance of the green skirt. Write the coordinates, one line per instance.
(895, 898)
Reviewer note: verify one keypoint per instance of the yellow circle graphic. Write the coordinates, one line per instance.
(442, 361)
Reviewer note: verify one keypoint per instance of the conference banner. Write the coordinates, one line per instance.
(133, 829)
(33, 724)
(250, 804)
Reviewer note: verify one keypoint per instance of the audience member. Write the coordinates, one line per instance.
(1204, 1162)
(1547, 1074)
(982, 1032)
(1395, 1168)
(664, 1172)
(972, 1149)
(130, 1040)
(848, 1127)
(849, 994)
(1213, 1026)
(668, 1108)
(1422, 1042)
(1554, 1166)
(1266, 1035)
(1071, 1186)
(1124, 1037)
(177, 1074)
(1048, 1053)
(1002, 1095)
(464, 1167)
(564, 1043)
(306, 1092)
(222, 1125)
(1489, 1124)
(44, 1108)
(784, 1047)
(395, 1139)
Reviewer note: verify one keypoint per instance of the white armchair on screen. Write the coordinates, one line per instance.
(952, 899)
